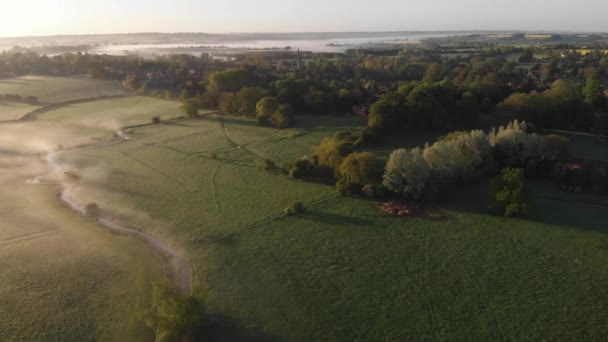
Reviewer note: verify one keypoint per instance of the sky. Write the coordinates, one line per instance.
(51, 17)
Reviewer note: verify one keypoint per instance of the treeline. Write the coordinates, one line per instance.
(32, 100)
(461, 157)
(435, 88)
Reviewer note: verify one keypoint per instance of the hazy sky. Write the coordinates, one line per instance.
(45, 17)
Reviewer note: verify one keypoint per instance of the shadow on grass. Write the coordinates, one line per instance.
(324, 217)
(547, 205)
(222, 328)
(230, 120)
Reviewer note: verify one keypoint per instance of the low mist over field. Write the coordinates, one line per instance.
(319, 171)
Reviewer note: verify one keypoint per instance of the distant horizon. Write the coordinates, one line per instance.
(303, 32)
(41, 18)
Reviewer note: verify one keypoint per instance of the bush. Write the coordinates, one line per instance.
(173, 315)
(297, 173)
(346, 188)
(508, 192)
(156, 120)
(298, 207)
(213, 155)
(92, 210)
(190, 107)
(268, 164)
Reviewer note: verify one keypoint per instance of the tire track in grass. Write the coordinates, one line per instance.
(154, 169)
(27, 237)
(214, 186)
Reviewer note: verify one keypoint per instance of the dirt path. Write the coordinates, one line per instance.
(181, 271)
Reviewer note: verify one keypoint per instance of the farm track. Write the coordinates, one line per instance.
(27, 237)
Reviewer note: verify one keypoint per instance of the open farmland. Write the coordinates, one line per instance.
(59, 89)
(343, 270)
(65, 277)
(14, 111)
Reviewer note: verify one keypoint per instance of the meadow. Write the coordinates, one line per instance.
(343, 270)
(14, 111)
(65, 278)
(60, 89)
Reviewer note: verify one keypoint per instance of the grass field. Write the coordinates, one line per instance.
(59, 89)
(65, 278)
(343, 270)
(588, 147)
(113, 114)
(14, 111)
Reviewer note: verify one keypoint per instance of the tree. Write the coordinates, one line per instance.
(174, 316)
(331, 152)
(508, 192)
(190, 107)
(593, 92)
(407, 173)
(388, 113)
(266, 107)
(131, 82)
(281, 118)
(527, 56)
(231, 80)
(360, 168)
(247, 99)
(228, 103)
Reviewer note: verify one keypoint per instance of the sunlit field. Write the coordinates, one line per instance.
(343, 270)
(65, 277)
(14, 111)
(59, 89)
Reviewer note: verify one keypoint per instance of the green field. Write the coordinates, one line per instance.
(113, 114)
(59, 89)
(588, 147)
(65, 278)
(343, 270)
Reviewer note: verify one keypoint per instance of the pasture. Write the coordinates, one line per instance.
(14, 111)
(60, 89)
(65, 277)
(343, 270)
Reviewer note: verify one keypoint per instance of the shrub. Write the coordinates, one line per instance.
(297, 173)
(190, 107)
(173, 315)
(346, 188)
(298, 207)
(92, 210)
(156, 120)
(508, 192)
(213, 155)
(268, 164)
